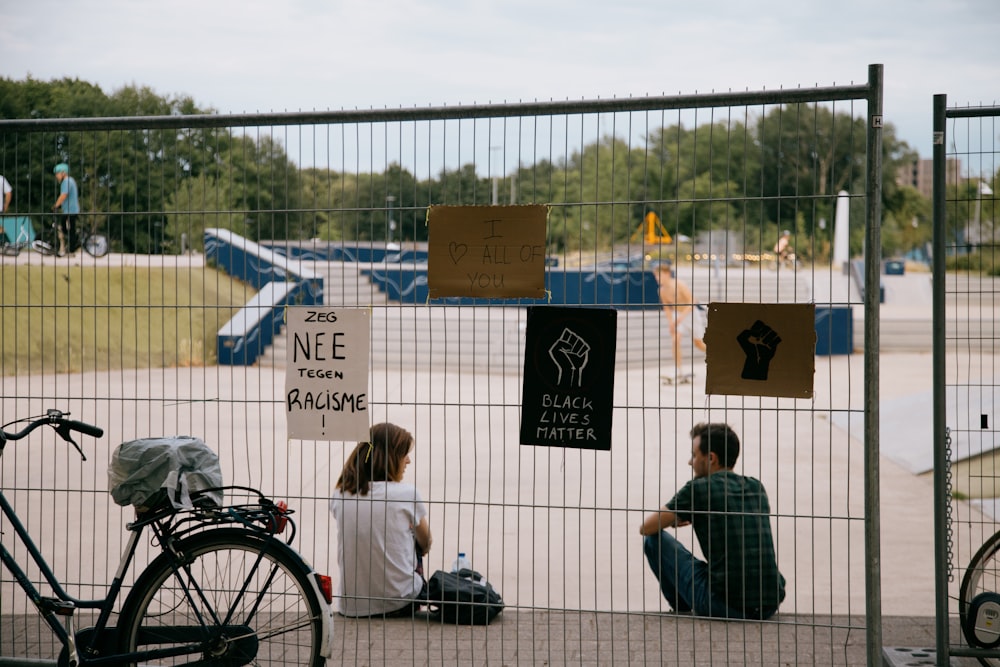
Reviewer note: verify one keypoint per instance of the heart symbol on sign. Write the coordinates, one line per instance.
(457, 251)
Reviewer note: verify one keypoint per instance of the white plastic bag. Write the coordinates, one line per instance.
(143, 471)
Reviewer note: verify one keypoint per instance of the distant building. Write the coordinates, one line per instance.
(920, 175)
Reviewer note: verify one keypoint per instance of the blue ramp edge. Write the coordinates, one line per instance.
(280, 282)
(245, 337)
(624, 290)
(834, 330)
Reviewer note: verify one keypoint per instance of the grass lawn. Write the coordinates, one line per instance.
(58, 319)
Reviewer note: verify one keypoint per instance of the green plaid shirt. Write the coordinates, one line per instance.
(729, 514)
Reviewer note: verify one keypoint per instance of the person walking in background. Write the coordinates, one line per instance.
(68, 205)
(382, 528)
(6, 193)
(730, 514)
(682, 314)
(783, 246)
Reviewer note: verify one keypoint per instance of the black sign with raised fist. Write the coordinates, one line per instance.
(569, 377)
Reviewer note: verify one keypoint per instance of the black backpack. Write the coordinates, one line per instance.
(462, 598)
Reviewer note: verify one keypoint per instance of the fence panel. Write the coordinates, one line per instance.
(967, 282)
(128, 342)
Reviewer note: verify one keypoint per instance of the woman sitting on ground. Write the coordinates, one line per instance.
(382, 528)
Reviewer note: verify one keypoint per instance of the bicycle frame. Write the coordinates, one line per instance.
(64, 604)
(173, 528)
(50, 241)
(169, 526)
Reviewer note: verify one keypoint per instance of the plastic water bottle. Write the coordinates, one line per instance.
(461, 563)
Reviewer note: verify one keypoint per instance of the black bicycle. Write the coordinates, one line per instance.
(224, 590)
(979, 600)
(93, 242)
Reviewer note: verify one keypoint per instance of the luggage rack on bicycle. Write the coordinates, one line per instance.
(265, 516)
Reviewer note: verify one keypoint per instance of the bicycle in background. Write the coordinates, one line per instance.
(13, 242)
(224, 589)
(93, 242)
(9, 249)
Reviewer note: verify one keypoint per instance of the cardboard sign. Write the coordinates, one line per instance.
(569, 377)
(326, 381)
(761, 349)
(486, 251)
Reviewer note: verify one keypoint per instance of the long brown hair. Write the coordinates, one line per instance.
(380, 459)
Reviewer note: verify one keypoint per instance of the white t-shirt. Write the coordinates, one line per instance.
(376, 548)
(4, 189)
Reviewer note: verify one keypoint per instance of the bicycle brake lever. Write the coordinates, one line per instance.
(63, 431)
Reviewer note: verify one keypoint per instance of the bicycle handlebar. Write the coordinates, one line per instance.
(86, 429)
(57, 420)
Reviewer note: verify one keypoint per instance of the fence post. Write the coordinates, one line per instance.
(941, 527)
(873, 252)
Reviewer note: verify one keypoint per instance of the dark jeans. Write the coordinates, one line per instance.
(685, 582)
(68, 228)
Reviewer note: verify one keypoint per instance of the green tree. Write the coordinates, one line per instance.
(198, 203)
(696, 177)
(320, 188)
(907, 223)
(125, 176)
(255, 191)
(264, 190)
(591, 194)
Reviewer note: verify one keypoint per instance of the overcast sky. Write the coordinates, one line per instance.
(253, 55)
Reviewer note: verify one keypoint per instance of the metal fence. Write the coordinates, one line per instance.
(966, 396)
(128, 342)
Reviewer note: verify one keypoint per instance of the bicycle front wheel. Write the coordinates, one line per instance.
(982, 576)
(44, 248)
(10, 249)
(96, 245)
(239, 597)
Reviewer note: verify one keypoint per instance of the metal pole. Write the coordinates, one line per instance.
(873, 263)
(390, 223)
(941, 557)
(496, 192)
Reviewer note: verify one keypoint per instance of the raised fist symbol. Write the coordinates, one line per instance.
(570, 354)
(759, 343)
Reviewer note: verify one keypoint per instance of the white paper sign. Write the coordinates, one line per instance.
(326, 381)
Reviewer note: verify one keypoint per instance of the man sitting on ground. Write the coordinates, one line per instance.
(730, 515)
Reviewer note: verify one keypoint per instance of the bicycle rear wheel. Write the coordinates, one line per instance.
(96, 245)
(243, 598)
(982, 576)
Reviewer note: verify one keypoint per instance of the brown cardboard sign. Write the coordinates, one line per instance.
(761, 349)
(486, 251)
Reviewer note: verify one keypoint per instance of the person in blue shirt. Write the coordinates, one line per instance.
(68, 204)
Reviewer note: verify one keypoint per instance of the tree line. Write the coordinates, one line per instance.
(149, 189)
